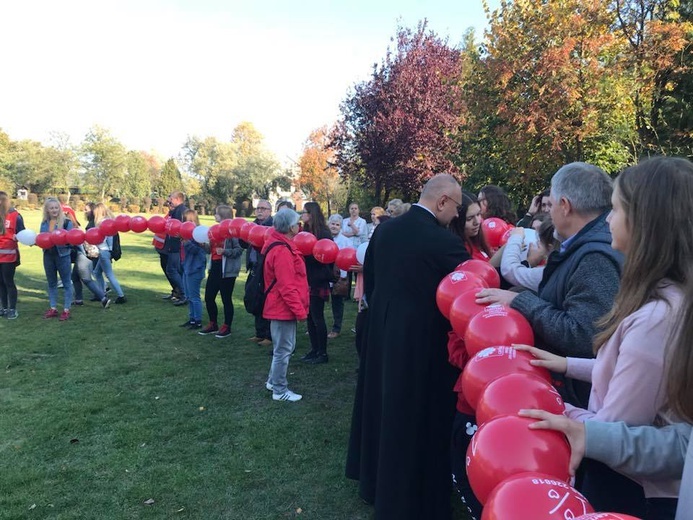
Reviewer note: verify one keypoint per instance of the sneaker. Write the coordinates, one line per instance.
(268, 386)
(182, 301)
(121, 299)
(78, 302)
(224, 332)
(211, 328)
(167, 297)
(265, 342)
(187, 324)
(311, 354)
(60, 284)
(106, 302)
(318, 359)
(195, 325)
(287, 396)
(64, 316)
(50, 313)
(12, 314)
(333, 335)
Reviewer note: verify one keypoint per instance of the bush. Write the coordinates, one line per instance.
(32, 198)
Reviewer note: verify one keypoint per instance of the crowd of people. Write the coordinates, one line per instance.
(600, 269)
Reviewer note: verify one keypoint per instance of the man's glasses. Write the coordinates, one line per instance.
(458, 204)
(261, 208)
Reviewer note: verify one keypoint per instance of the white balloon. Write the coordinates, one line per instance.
(200, 234)
(27, 237)
(361, 252)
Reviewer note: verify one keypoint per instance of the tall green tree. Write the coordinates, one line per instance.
(103, 161)
(137, 177)
(171, 179)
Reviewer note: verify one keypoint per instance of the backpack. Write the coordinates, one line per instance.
(116, 251)
(255, 292)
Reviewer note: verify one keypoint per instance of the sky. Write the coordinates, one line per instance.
(154, 72)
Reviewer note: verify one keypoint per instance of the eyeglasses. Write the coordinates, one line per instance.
(261, 208)
(458, 204)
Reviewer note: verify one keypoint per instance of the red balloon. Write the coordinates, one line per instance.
(256, 236)
(186, 230)
(138, 224)
(606, 516)
(245, 230)
(44, 240)
(156, 224)
(325, 251)
(235, 227)
(506, 236)
(305, 242)
(506, 446)
(497, 325)
(94, 236)
(346, 258)
(492, 363)
(536, 496)
(493, 229)
(509, 394)
(59, 237)
(453, 285)
(463, 309)
(217, 233)
(75, 237)
(109, 227)
(172, 227)
(483, 269)
(122, 223)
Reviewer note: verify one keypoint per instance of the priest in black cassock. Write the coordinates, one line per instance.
(399, 447)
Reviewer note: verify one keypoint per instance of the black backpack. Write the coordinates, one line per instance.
(116, 252)
(255, 292)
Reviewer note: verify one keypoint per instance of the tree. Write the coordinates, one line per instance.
(104, 161)
(397, 129)
(137, 178)
(171, 179)
(256, 169)
(318, 171)
(62, 155)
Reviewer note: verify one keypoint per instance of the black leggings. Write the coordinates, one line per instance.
(8, 290)
(215, 285)
(317, 328)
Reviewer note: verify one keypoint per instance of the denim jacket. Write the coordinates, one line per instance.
(195, 257)
(59, 250)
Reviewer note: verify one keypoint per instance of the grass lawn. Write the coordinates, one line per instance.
(117, 408)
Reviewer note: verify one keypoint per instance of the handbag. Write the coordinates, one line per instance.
(341, 287)
(91, 250)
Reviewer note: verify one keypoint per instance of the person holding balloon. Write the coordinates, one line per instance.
(224, 267)
(194, 263)
(104, 265)
(56, 259)
(633, 345)
(467, 225)
(335, 225)
(319, 277)
(11, 223)
(84, 267)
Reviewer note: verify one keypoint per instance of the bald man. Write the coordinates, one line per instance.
(405, 405)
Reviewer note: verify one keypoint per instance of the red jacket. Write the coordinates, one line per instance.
(9, 253)
(288, 299)
(458, 357)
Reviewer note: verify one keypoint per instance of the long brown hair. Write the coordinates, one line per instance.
(101, 212)
(458, 223)
(657, 198)
(4, 210)
(679, 375)
(317, 225)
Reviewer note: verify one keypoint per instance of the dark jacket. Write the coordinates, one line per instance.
(319, 275)
(578, 287)
(252, 252)
(172, 243)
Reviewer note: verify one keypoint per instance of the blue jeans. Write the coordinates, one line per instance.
(284, 340)
(81, 274)
(104, 267)
(174, 272)
(192, 283)
(55, 265)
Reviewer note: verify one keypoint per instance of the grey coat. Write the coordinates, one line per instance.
(231, 258)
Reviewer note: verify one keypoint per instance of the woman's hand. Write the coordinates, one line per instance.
(518, 231)
(544, 359)
(573, 430)
(491, 296)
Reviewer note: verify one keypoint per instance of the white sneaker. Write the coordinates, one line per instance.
(287, 396)
(268, 386)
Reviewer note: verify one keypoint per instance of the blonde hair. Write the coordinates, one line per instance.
(60, 221)
(101, 213)
(191, 213)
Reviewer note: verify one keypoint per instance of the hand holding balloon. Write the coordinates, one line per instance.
(491, 296)
(545, 359)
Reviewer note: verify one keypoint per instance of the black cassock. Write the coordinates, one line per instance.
(399, 446)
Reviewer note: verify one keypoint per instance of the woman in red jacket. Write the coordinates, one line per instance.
(467, 225)
(287, 298)
(11, 223)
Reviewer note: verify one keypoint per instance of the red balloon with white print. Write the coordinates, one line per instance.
(482, 269)
(454, 284)
(497, 325)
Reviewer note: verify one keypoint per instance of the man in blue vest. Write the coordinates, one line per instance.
(580, 280)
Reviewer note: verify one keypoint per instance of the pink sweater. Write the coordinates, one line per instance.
(627, 375)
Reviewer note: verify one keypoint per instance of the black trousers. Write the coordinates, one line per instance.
(8, 289)
(215, 285)
(463, 429)
(608, 490)
(317, 328)
(163, 262)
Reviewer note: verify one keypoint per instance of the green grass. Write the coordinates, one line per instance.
(113, 408)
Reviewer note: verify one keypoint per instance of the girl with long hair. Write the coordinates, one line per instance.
(467, 225)
(56, 260)
(495, 202)
(319, 277)
(650, 223)
(104, 266)
(11, 223)
(193, 273)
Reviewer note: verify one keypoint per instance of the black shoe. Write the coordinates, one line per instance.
(78, 302)
(187, 324)
(121, 299)
(167, 297)
(319, 359)
(106, 302)
(184, 301)
(311, 355)
(194, 325)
